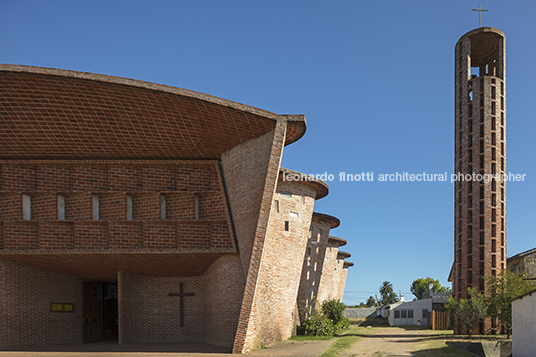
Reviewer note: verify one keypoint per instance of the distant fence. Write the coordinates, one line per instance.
(359, 312)
(440, 320)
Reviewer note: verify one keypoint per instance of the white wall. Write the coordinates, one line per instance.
(523, 326)
(416, 306)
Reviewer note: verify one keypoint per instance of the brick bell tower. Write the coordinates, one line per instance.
(480, 148)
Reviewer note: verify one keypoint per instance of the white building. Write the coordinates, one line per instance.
(524, 325)
(417, 313)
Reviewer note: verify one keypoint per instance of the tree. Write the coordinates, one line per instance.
(469, 311)
(387, 293)
(420, 285)
(371, 302)
(501, 290)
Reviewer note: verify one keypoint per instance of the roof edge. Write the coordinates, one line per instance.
(343, 254)
(339, 241)
(321, 188)
(335, 222)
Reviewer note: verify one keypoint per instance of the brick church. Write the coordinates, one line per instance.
(143, 213)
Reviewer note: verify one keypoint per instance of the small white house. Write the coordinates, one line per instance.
(410, 313)
(524, 325)
(417, 313)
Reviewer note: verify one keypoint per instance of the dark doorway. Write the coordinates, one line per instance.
(109, 313)
(100, 312)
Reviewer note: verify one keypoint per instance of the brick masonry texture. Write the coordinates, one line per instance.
(322, 276)
(83, 115)
(111, 180)
(149, 315)
(25, 299)
(480, 147)
(523, 262)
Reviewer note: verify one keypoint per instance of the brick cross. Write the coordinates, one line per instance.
(181, 294)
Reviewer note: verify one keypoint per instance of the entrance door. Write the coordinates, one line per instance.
(109, 311)
(92, 312)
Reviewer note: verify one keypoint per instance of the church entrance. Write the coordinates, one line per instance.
(100, 312)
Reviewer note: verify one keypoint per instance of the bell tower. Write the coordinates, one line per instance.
(480, 151)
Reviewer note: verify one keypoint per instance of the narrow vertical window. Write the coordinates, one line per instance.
(95, 207)
(276, 204)
(61, 207)
(129, 207)
(26, 207)
(196, 206)
(162, 207)
(286, 226)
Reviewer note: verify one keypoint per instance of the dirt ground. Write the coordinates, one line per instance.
(395, 342)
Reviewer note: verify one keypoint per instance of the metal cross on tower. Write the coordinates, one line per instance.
(479, 15)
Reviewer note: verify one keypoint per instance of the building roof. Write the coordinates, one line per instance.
(50, 114)
(336, 240)
(484, 44)
(321, 188)
(523, 254)
(334, 221)
(347, 264)
(343, 255)
(525, 294)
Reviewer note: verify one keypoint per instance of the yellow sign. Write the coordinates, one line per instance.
(57, 307)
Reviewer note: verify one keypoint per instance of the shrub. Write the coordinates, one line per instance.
(333, 309)
(326, 320)
(343, 324)
(318, 325)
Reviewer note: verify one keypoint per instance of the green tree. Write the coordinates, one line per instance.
(469, 311)
(421, 285)
(371, 301)
(501, 290)
(387, 293)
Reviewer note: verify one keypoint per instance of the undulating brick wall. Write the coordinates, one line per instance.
(282, 261)
(313, 266)
(25, 316)
(342, 282)
(330, 274)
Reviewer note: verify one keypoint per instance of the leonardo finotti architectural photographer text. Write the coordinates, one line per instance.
(404, 177)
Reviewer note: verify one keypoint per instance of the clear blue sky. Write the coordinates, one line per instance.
(374, 79)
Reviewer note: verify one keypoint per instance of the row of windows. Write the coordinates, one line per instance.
(403, 314)
(95, 205)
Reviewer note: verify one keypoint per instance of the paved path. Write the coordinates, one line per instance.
(286, 349)
(387, 342)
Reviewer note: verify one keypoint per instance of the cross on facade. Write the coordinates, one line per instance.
(181, 294)
(479, 14)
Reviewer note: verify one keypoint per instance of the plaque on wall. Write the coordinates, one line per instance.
(60, 307)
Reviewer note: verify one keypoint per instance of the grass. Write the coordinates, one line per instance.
(344, 342)
(317, 338)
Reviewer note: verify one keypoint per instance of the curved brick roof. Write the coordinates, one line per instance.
(49, 113)
(336, 240)
(335, 222)
(343, 255)
(485, 43)
(321, 188)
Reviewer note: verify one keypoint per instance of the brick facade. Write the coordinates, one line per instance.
(116, 194)
(524, 262)
(323, 274)
(480, 148)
